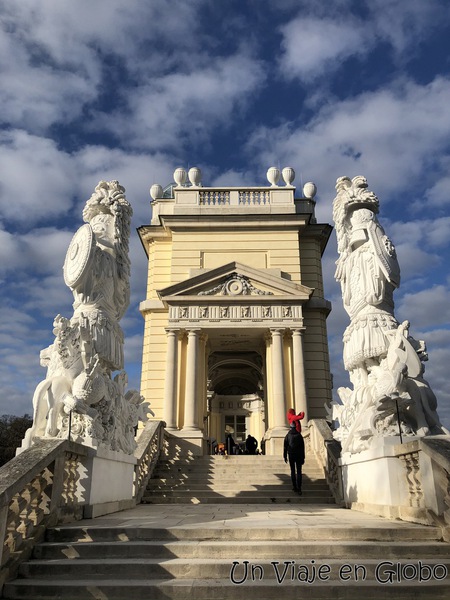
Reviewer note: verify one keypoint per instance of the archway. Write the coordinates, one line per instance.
(236, 396)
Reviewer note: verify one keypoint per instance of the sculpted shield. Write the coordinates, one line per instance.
(78, 255)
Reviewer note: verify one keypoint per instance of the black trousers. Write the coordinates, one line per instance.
(296, 471)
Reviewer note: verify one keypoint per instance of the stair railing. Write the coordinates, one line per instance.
(426, 470)
(49, 483)
(150, 445)
(42, 486)
(327, 451)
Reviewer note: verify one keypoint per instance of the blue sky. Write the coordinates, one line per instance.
(127, 90)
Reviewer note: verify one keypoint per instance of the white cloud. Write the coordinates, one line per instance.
(10, 249)
(388, 135)
(320, 38)
(427, 308)
(414, 261)
(312, 46)
(439, 194)
(403, 25)
(38, 179)
(176, 108)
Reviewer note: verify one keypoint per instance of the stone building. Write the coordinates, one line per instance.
(235, 314)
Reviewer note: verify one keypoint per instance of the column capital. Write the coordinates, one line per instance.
(277, 330)
(193, 330)
(298, 330)
(173, 330)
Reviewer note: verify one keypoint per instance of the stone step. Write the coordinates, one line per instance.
(230, 473)
(252, 550)
(165, 484)
(279, 491)
(233, 461)
(193, 558)
(388, 533)
(238, 499)
(238, 569)
(225, 589)
(251, 476)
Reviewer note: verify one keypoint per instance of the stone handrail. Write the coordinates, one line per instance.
(327, 450)
(149, 447)
(427, 474)
(40, 487)
(422, 469)
(49, 483)
(437, 453)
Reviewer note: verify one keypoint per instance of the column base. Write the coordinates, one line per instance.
(275, 440)
(186, 442)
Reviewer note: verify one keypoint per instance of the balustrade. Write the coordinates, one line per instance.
(214, 197)
(48, 484)
(254, 197)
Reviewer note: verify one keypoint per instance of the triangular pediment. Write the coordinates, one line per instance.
(235, 279)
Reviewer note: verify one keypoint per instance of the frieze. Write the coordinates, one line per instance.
(217, 313)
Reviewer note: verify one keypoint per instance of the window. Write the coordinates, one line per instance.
(235, 424)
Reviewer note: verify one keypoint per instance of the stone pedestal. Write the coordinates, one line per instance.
(185, 443)
(387, 480)
(275, 441)
(110, 485)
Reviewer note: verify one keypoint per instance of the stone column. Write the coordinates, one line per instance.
(299, 373)
(190, 400)
(201, 379)
(278, 382)
(171, 383)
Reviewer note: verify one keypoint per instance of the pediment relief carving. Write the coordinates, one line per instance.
(235, 285)
(235, 280)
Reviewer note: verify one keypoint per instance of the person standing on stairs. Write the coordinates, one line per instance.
(294, 449)
(230, 445)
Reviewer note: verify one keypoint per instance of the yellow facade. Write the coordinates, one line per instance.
(239, 292)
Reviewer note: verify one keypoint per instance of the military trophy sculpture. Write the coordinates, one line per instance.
(80, 399)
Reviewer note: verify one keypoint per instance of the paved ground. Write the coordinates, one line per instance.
(241, 515)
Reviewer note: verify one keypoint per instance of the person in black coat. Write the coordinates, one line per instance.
(230, 444)
(251, 444)
(294, 449)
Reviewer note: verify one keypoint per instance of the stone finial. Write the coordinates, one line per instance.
(309, 190)
(288, 175)
(156, 191)
(273, 176)
(179, 176)
(195, 176)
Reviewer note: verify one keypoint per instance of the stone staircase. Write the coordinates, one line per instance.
(231, 528)
(234, 479)
(104, 561)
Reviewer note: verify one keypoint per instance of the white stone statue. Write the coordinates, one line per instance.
(384, 362)
(79, 398)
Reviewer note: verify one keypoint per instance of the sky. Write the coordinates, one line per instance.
(127, 90)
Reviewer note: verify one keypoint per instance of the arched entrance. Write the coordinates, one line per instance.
(236, 395)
